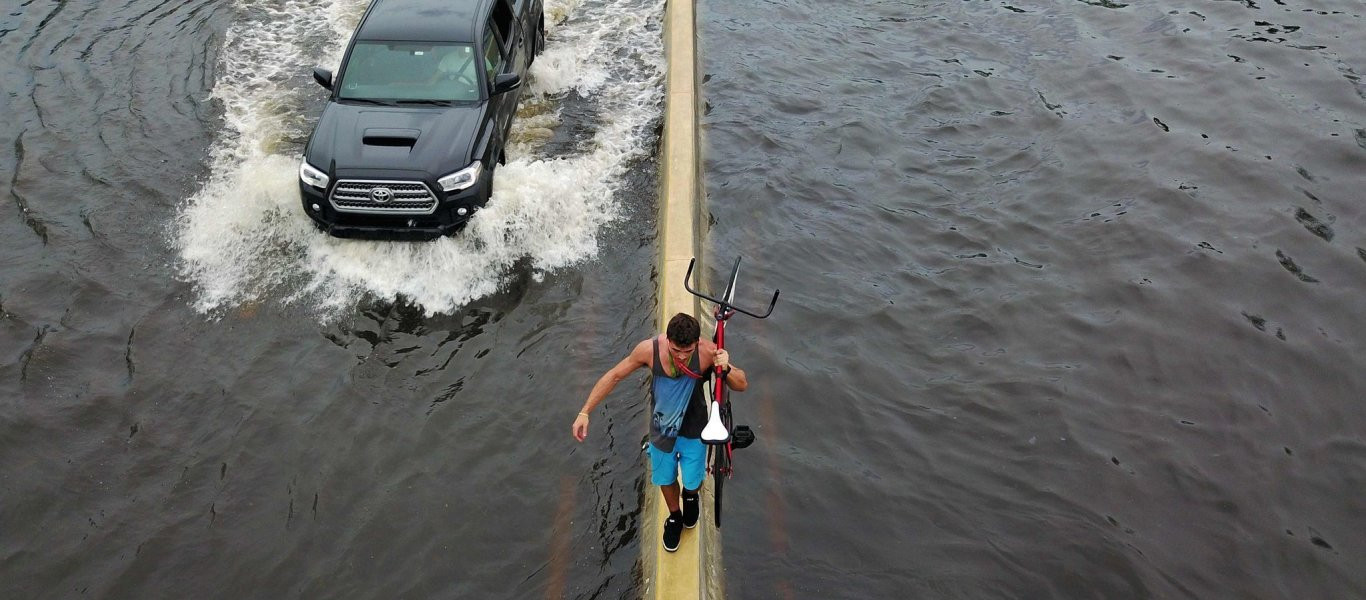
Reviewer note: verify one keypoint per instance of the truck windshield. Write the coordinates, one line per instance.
(395, 71)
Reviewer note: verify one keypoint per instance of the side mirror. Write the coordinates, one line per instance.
(506, 82)
(323, 77)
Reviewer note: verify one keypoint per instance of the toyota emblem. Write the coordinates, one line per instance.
(381, 195)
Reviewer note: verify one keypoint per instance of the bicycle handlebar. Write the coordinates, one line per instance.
(724, 305)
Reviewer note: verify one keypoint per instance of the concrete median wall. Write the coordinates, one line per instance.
(694, 571)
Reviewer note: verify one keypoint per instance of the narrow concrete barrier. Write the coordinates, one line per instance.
(693, 572)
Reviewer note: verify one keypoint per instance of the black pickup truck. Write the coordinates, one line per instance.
(418, 116)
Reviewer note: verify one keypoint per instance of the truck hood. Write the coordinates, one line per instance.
(366, 140)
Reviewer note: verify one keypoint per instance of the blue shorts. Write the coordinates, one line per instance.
(689, 453)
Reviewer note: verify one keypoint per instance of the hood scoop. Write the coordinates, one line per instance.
(390, 138)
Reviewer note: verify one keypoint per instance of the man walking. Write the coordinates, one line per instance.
(677, 360)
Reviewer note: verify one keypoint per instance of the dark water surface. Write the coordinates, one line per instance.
(201, 397)
(1072, 299)
(1073, 296)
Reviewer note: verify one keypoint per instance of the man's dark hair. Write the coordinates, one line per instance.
(683, 330)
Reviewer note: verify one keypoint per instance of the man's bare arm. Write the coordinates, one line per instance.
(639, 357)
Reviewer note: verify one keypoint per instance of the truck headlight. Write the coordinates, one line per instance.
(312, 176)
(463, 178)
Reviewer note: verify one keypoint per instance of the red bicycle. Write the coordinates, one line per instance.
(720, 434)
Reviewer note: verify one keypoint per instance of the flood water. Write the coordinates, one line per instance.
(1071, 308)
(1072, 296)
(204, 397)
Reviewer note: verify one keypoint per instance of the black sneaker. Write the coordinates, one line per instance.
(673, 530)
(692, 507)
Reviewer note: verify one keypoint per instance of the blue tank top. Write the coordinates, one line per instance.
(676, 404)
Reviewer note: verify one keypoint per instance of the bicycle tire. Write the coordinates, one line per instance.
(716, 509)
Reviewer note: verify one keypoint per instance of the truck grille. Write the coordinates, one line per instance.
(383, 197)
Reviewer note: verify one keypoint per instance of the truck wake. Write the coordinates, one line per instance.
(243, 237)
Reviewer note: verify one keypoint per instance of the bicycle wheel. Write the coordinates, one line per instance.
(719, 484)
(719, 468)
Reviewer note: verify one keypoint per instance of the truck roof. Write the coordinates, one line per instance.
(423, 20)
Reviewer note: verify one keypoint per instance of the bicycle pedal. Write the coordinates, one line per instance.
(741, 437)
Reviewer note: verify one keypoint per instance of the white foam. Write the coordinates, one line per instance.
(244, 238)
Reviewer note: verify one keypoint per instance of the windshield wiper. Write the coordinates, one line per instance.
(431, 102)
(369, 101)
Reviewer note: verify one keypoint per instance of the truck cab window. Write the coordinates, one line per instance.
(502, 20)
(493, 55)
